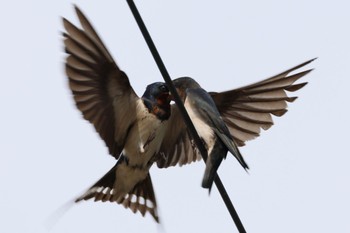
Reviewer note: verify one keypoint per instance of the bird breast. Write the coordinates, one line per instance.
(144, 138)
(203, 129)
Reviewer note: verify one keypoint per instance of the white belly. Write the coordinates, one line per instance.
(204, 131)
(144, 138)
(143, 141)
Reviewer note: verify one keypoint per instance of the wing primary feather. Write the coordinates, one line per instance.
(85, 75)
(296, 87)
(285, 73)
(91, 32)
(81, 37)
(74, 47)
(241, 116)
(256, 103)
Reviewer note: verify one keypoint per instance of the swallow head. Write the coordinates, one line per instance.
(157, 100)
(182, 84)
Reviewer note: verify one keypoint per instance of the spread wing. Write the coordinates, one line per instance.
(102, 92)
(248, 109)
(244, 110)
(177, 146)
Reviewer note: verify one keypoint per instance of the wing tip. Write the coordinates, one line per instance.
(311, 60)
(291, 99)
(306, 63)
(296, 87)
(279, 113)
(66, 23)
(77, 9)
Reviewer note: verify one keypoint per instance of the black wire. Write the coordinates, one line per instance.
(184, 113)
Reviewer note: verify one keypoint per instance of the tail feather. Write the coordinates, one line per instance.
(213, 162)
(141, 198)
(98, 191)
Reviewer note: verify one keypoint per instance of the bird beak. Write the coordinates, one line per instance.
(164, 98)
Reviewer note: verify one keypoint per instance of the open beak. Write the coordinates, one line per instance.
(164, 98)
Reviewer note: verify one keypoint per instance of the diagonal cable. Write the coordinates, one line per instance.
(184, 113)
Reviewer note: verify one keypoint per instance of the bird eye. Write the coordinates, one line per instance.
(163, 88)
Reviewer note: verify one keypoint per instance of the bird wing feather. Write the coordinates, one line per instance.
(249, 109)
(102, 92)
(178, 148)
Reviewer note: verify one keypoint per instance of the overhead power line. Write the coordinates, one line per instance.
(184, 113)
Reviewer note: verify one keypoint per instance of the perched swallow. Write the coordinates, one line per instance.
(245, 111)
(209, 125)
(131, 127)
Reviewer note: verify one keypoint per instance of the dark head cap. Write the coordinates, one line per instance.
(156, 99)
(156, 90)
(184, 83)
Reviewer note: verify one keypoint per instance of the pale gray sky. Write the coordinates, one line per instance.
(299, 176)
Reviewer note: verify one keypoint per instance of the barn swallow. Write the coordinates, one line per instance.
(245, 111)
(209, 125)
(131, 127)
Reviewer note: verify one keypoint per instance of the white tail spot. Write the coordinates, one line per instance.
(105, 190)
(91, 190)
(133, 198)
(142, 201)
(112, 191)
(149, 204)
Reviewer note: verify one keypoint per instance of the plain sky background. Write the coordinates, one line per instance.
(299, 176)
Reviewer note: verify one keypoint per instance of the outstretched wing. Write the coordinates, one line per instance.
(177, 146)
(102, 92)
(247, 109)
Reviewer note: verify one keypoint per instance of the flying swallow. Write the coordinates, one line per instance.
(244, 111)
(131, 127)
